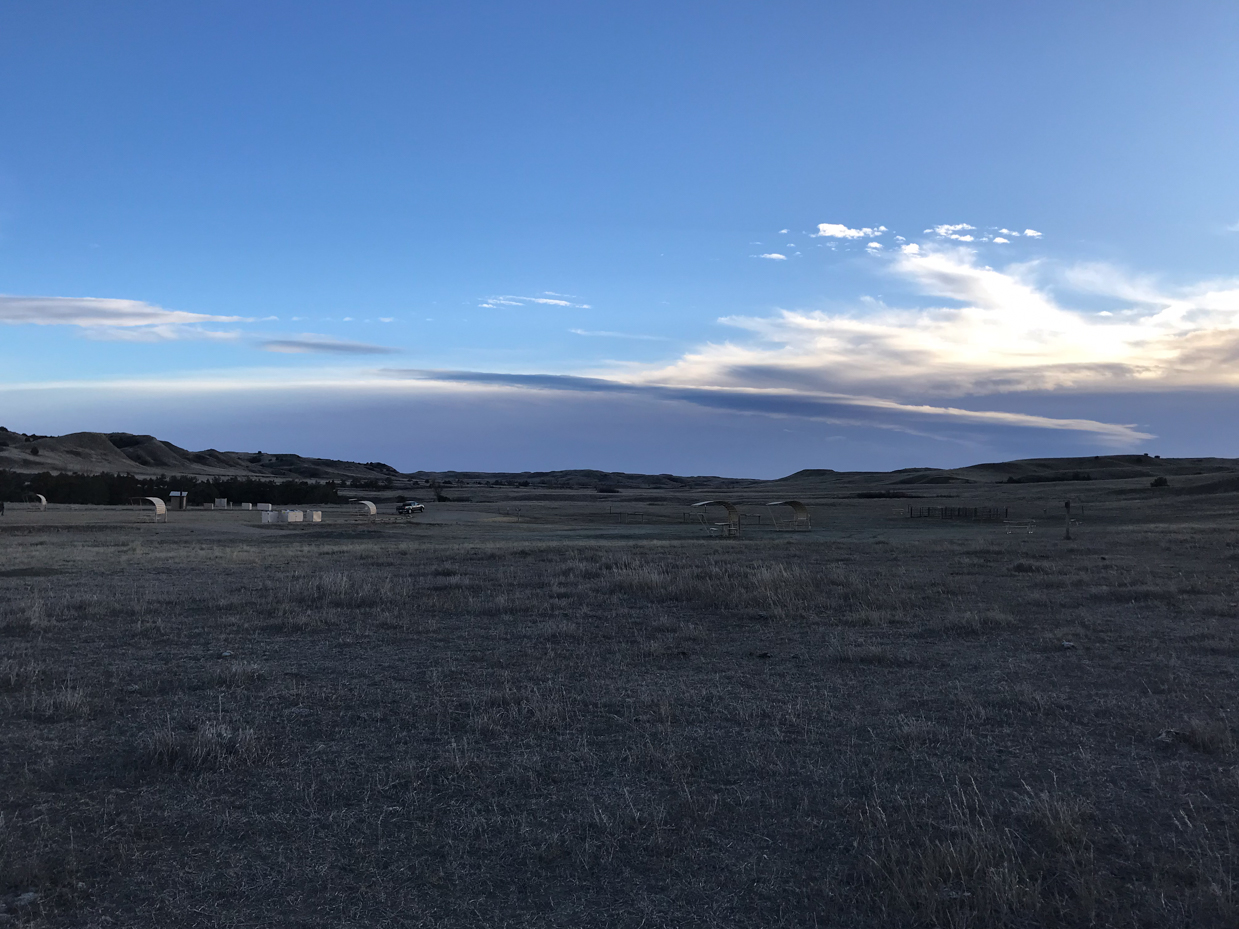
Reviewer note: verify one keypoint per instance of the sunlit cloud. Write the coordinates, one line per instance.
(774, 256)
(839, 231)
(1000, 331)
(954, 231)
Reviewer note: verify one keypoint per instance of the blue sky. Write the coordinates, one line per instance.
(702, 238)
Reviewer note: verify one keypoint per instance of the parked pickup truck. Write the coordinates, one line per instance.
(408, 509)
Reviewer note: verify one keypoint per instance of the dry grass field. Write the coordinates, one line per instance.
(582, 718)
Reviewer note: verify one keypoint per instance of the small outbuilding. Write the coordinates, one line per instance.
(368, 508)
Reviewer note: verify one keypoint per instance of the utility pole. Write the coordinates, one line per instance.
(1067, 520)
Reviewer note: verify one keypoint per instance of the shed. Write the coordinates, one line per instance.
(729, 528)
(799, 519)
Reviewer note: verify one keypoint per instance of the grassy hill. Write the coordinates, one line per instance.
(145, 455)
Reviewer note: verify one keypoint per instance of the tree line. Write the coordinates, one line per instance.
(118, 489)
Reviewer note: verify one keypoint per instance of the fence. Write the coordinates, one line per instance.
(958, 512)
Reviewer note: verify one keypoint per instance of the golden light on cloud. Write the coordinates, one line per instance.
(999, 333)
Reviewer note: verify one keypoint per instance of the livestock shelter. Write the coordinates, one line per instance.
(369, 508)
(727, 529)
(799, 520)
(160, 508)
(35, 501)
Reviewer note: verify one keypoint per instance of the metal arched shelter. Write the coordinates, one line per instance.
(800, 516)
(729, 528)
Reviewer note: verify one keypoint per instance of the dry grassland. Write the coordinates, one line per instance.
(477, 722)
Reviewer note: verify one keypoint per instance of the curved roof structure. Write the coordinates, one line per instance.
(733, 515)
(370, 508)
(800, 515)
(161, 508)
(729, 528)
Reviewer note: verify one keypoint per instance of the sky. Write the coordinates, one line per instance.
(699, 238)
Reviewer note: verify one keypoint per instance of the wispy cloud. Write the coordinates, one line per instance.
(162, 333)
(308, 343)
(113, 319)
(619, 335)
(552, 300)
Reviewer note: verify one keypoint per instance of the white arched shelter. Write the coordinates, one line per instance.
(161, 508)
(368, 508)
(35, 501)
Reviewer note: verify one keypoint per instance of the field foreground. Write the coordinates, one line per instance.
(582, 718)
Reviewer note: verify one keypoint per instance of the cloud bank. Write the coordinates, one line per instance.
(839, 409)
(987, 332)
(967, 351)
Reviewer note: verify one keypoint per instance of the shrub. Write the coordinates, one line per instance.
(1160, 482)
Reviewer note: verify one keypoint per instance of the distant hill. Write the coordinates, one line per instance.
(1025, 471)
(586, 479)
(145, 455)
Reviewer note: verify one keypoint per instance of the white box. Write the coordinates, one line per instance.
(265, 507)
(247, 506)
(316, 516)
